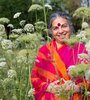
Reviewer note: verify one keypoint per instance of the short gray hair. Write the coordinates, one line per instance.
(63, 15)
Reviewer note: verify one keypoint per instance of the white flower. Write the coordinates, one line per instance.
(9, 51)
(48, 6)
(85, 25)
(21, 59)
(10, 25)
(30, 92)
(11, 73)
(22, 22)
(2, 64)
(2, 59)
(18, 31)
(17, 15)
(82, 36)
(4, 20)
(2, 28)
(29, 28)
(6, 44)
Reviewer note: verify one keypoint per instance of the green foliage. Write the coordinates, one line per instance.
(72, 40)
(82, 12)
(9, 7)
(31, 41)
(35, 7)
(79, 70)
(40, 26)
(15, 69)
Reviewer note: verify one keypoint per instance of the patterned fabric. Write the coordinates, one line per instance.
(50, 65)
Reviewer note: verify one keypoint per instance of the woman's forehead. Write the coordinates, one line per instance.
(59, 20)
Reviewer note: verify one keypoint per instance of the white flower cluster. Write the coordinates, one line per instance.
(21, 59)
(30, 92)
(11, 73)
(4, 20)
(6, 44)
(29, 28)
(2, 29)
(48, 6)
(17, 31)
(22, 22)
(10, 25)
(17, 15)
(2, 62)
(85, 25)
(82, 36)
(9, 52)
(35, 7)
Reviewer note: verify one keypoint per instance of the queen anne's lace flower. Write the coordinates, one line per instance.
(17, 31)
(4, 20)
(10, 25)
(22, 22)
(17, 15)
(11, 73)
(85, 25)
(6, 44)
(29, 28)
(30, 92)
(2, 64)
(48, 6)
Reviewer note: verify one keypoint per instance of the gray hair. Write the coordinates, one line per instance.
(63, 15)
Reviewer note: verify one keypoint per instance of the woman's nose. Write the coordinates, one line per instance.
(60, 30)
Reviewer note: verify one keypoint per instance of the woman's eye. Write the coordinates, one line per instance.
(55, 28)
(64, 25)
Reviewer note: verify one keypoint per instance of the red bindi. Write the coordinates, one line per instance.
(58, 24)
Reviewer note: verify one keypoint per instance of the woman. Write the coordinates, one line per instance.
(53, 59)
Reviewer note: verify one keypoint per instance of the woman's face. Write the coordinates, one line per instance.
(60, 29)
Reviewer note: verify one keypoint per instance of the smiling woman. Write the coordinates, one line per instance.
(49, 73)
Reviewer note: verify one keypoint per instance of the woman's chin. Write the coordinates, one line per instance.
(61, 41)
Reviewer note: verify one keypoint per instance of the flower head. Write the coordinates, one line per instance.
(17, 15)
(30, 92)
(6, 44)
(11, 73)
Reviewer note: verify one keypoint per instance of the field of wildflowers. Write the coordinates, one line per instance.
(17, 56)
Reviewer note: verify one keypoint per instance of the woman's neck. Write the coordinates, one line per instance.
(59, 45)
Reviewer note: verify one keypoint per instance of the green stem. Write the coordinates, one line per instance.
(45, 19)
(29, 75)
(85, 92)
(36, 16)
